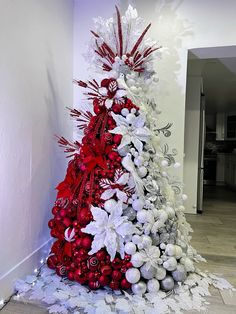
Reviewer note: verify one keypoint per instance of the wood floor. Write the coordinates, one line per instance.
(214, 237)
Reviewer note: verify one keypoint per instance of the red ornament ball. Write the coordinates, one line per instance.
(104, 280)
(106, 270)
(101, 255)
(94, 285)
(70, 275)
(125, 284)
(52, 261)
(114, 285)
(86, 242)
(116, 275)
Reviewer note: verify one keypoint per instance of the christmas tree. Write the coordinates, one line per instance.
(118, 217)
(122, 241)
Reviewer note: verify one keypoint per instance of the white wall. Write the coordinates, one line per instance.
(35, 86)
(178, 25)
(191, 140)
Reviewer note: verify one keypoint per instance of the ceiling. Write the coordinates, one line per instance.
(219, 79)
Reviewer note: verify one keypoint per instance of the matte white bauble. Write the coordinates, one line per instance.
(163, 246)
(138, 204)
(142, 171)
(133, 110)
(163, 216)
(164, 174)
(153, 285)
(142, 216)
(170, 250)
(137, 259)
(179, 274)
(124, 112)
(139, 288)
(188, 264)
(136, 239)
(184, 197)
(147, 271)
(130, 118)
(164, 163)
(177, 165)
(130, 248)
(123, 151)
(170, 264)
(109, 205)
(146, 241)
(167, 283)
(132, 275)
(178, 252)
(160, 273)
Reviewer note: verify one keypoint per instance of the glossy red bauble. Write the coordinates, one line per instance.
(116, 263)
(116, 275)
(52, 261)
(51, 223)
(62, 212)
(67, 222)
(104, 280)
(93, 263)
(114, 285)
(84, 216)
(82, 254)
(86, 243)
(106, 270)
(125, 284)
(101, 255)
(91, 276)
(94, 285)
(70, 275)
(117, 138)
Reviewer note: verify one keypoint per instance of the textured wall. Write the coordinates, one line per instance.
(35, 86)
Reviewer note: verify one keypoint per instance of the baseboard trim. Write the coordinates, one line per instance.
(24, 267)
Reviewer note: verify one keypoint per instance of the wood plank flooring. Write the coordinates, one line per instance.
(214, 237)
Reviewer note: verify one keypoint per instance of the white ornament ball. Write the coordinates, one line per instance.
(124, 112)
(170, 250)
(177, 165)
(130, 117)
(179, 274)
(160, 273)
(136, 239)
(168, 283)
(184, 197)
(153, 285)
(142, 216)
(163, 246)
(147, 271)
(138, 204)
(164, 163)
(142, 171)
(109, 205)
(139, 288)
(137, 259)
(163, 216)
(170, 264)
(132, 275)
(130, 248)
(178, 252)
(164, 174)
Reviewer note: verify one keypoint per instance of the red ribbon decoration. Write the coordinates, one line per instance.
(94, 157)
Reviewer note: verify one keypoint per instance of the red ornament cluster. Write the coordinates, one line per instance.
(96, 159)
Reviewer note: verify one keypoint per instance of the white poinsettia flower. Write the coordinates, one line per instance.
(132, 130)
(135, 180)
(109, 230)
(150, 256)
(121, 178)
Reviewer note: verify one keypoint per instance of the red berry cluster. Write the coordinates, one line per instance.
(98, 158)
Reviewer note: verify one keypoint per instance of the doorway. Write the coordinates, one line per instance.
(210, 125)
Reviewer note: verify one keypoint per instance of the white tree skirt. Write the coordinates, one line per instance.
(63, 296)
